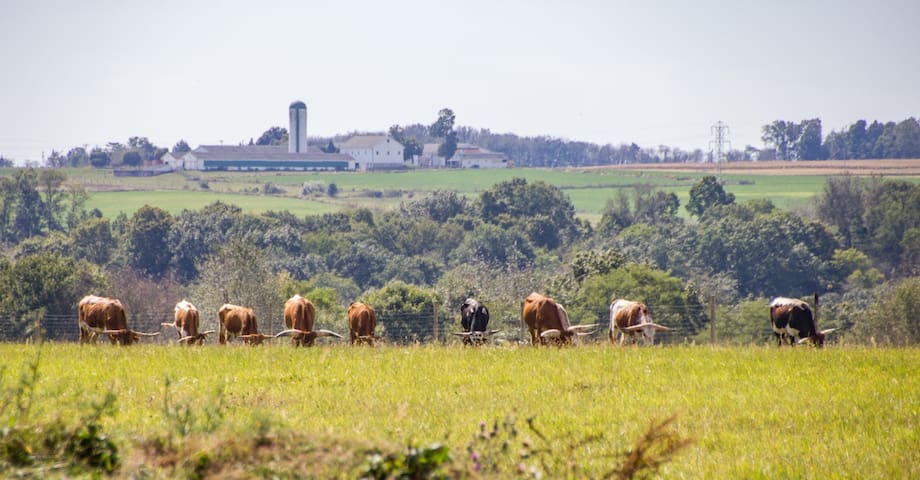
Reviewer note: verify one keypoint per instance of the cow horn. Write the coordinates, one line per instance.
(173, 324)
(123, 330)
(660, 327)
(552, 333)
(327, 333)
(207, 332)
(633, 328)
(145, 334)
(829, 330)
(185, 339)
(290, 331)
(491, 332)
(578, 328)
(462, 334)
(584, 334)
(804, 340)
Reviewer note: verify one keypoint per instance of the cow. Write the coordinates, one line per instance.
(631, 319)
(299, 314)
(238, 321)
(792, 318)
(474, 317)
(361, 323)
(547, 320)
(186, 321)
(100, 315)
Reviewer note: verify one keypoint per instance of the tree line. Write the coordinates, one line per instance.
(787, 140)
(860, 251)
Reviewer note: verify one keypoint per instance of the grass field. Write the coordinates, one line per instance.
(750, 412)
(589, 190)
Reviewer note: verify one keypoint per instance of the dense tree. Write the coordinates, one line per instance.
(77, 157)
(100, 158)
(443, 128)
(181, 147)
(146, 240)
(894, 318)
(707, 193)
(496, 246)
(404, 311)
(411, 146)
(50, 182)
(46, 281)
(93, 241)
(517, 204)
(131, 158)
(273, 136)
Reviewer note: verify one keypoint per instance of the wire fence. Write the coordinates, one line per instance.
(687, 324)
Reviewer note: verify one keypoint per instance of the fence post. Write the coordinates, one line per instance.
(37, 333)
(435, 322)
(712, 320)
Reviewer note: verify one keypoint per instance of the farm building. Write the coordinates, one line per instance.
(374, 152)
(471, 156)
(259, 157)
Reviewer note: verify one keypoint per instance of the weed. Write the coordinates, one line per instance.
(415, 463)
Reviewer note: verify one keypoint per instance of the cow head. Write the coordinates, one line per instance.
(647, 330)
(126, 336)
(818, 338)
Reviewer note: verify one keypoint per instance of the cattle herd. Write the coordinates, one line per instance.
(547, 321)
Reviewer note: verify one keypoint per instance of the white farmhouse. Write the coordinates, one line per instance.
(374, 152)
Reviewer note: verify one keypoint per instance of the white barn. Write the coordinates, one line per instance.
(373, 152)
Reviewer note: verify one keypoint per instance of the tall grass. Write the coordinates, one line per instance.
(750, 412)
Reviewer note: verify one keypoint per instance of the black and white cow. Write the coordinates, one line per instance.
(474, 317)
(793, 322)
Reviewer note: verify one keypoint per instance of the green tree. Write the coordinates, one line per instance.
(50, 181)
(443, 128)
(46, 281)
(93, 241)
(77, 157)
(894, 318)
(181, 147)
(707, 193)
(405, 312)
(494, 245)
(907, 139)
(100, 158)
(541, 210)
(238, 273)
(197, 234)
(146, 240)
(131, 158)
(273, 136)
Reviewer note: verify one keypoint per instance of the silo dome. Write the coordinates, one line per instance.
(298, 104)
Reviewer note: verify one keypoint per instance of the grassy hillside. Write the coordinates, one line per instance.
(840, 412)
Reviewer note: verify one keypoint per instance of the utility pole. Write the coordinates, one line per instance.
(719, 145)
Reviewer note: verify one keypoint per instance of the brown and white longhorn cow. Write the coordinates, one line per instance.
(547, 320)
(100, 315)
(299, 315)
(361, 323)
(238, 321)
(186, 322)
(792, 319)
(631, 319)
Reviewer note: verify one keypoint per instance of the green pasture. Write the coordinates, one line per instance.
(751, 412)
(589, 191)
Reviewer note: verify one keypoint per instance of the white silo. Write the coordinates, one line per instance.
(297, 133)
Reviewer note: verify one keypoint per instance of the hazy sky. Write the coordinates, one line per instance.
(650, 72)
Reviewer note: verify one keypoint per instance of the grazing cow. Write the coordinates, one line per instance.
(186, 321)
(792, 318)
(299, 314)
(547, 319)
(361, 323)
(474, 317)
(631, 319)
(237, 321)
(100, 315)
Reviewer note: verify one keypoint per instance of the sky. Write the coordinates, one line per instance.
(649, 72)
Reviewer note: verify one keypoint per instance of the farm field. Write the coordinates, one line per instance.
(588, 189)
(841, 412)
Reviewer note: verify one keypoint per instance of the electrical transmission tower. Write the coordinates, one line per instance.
(719, 145)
